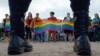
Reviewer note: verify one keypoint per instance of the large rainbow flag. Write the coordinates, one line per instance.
(53, 25)
(47, 25)
(7, 26)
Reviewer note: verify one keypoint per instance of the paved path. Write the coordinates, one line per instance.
(51, 49)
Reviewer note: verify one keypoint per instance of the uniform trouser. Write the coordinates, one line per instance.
(17, 14)
(80, 10)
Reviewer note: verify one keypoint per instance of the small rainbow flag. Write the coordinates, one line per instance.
(7, 26)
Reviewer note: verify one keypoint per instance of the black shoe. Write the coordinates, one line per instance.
(82, 45)
(16, 46)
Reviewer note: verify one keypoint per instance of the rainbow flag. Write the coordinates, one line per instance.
(46, 25)
(67, 25)
(7, 25)
(53, 25)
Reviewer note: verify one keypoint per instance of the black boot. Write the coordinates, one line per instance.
(17, 46)
(82, 45)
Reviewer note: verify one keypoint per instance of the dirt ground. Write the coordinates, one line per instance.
(51, 49)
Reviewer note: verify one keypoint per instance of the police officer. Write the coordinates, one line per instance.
(18, 42)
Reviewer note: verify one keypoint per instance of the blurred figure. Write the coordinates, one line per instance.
(52, 33)
(68, 17)
(68, 33)
(96, 26)
(6, 28)
(27, 27)
(38, 36)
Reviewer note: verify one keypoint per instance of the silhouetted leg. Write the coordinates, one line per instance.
(18, 43)
(80, 10)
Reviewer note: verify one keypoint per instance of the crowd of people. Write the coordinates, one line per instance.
(52, 35)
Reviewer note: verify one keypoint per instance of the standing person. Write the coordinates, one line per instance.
(6, 28)
(68, 33)
(52, 33)
(68, 17)
(96, 26)
(18, 43)
(27, 27)
(80, 10)
(37, 20)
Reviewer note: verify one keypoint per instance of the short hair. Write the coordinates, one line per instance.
(52, 13)
(37, 13)
(6, 15)
(68, 13)
(30, 14)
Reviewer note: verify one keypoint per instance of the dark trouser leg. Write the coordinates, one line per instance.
(35, 37)
(30, 34)
(26, 28)
(17, 11)
(96, 33)
(40, 37)
(18, 44)
(80, 9)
